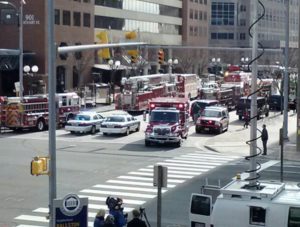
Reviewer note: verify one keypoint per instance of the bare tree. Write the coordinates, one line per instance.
(82, 63)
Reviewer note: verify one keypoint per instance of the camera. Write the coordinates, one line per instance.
(114, 203)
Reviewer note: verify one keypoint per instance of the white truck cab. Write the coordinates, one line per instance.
(270, 204)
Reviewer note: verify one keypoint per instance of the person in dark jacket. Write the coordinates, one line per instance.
(136, 221)
(109, 221)
(99, 219)
(264, 138)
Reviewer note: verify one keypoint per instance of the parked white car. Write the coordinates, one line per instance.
(85, 122)
(120, 124)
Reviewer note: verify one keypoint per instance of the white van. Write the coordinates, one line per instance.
(270, 204)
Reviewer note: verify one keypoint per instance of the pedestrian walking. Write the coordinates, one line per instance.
(246, 118)
(109, 221)
(99, 219)
(264, 138)
(136, 221)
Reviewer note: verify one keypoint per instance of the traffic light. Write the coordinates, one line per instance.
(103, 39)
(39, 166)
(161, 57)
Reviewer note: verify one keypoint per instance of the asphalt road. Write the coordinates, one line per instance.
(97, 166)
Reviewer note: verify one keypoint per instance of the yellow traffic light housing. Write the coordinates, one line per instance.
(39, 166)
(133, 59)
(161, 56)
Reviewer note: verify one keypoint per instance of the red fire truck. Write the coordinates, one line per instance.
(168, 121)
(138, 90)
(187, 85)
(32, 111)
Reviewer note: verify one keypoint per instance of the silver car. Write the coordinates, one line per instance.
(120, 124)
(85, 122)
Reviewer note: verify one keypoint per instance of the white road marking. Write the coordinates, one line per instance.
(193, 162)
(32, 218)
(127, 188)
(169, 175)
(116, 193)
(199, 170)
(136, 183)
(184, 165)
(148, 179)
(103, 199)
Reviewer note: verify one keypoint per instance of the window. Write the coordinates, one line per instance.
(191, 14)
(294, 217)
(222, 13)
(87, 20)
(257, 216)
(57, 16)
(201, 205)
(76, 19)
(242, 36)
(66, 17)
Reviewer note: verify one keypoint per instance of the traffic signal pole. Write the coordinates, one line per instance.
(52, 110)
(298, 92)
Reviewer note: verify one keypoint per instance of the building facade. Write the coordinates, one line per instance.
(74, 24)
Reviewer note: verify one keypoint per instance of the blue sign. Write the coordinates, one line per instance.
(71, 211)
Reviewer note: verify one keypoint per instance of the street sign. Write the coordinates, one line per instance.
(70, 211)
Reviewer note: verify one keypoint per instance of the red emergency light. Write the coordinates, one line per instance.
(180, 106)
(152, 105)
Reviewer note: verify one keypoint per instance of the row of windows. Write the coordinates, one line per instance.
(66, 18)
(198, 15)
(85, 1)
(222, 35)
(200, 1)
(141, 6)
(142, 26)
(198, 31)
(222, 13)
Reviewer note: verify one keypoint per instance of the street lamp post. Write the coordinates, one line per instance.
(34, 69)
(114, 66)
(20, 19)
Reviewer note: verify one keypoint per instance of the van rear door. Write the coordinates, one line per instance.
(200, 210)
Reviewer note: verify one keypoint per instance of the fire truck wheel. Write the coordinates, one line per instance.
(104, 134)
(178, 144)
(221, 129)
(147, 143)
(40, 125)
(198, 130)
(138, 128)
(93, 130)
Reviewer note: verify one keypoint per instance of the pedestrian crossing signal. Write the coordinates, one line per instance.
(161, 57)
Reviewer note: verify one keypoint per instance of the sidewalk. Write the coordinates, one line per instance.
(236, 144)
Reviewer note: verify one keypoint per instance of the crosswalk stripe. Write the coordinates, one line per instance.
(103, 199)
(46, 211)
(202, 159)
(169, 175)
(148, 179)
(199, 170)
(32, 218)
(184, 165)
(127, 188)
(214, 155)
(30, 226)
(118, 193)
(137, 183)
(173, 171)
(193, 162)
(99, 206)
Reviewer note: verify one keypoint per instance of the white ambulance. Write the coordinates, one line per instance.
(269, 204)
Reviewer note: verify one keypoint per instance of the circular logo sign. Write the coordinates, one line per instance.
(71, 203)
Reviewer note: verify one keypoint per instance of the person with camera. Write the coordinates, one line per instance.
(136, 221)
(116, 210)
(99, 219)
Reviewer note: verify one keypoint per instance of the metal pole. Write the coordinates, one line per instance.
(253, 128)
(298, 89)
(286, 73)
(52, 109)
(281, 153)
(159, 186)
(21, 50)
